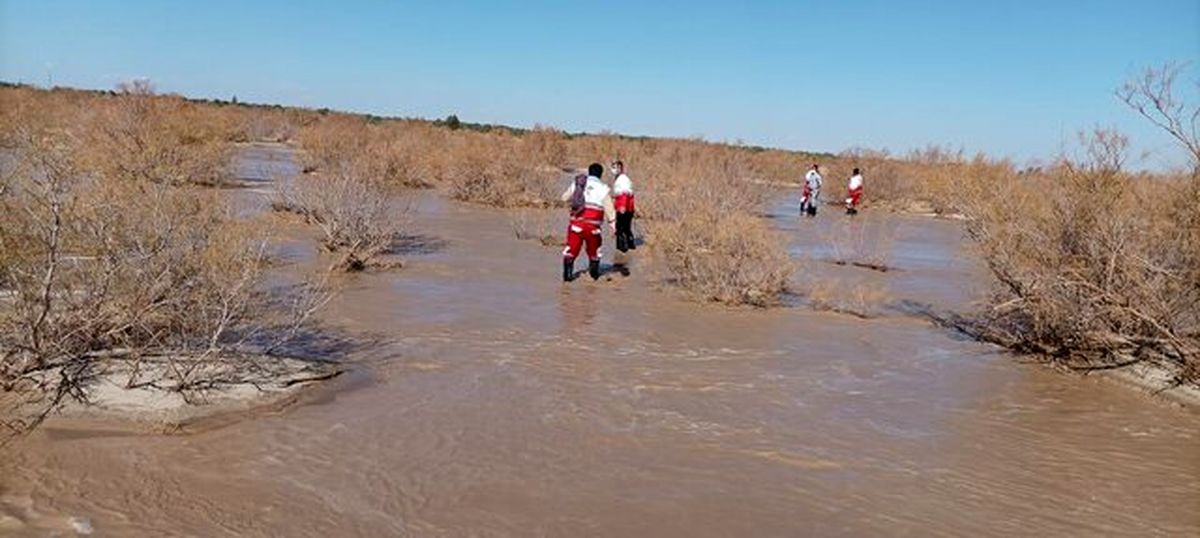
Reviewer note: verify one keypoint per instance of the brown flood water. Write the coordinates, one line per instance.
(494, 401)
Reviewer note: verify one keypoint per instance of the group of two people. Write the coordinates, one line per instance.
(811, 195)
(594, 203)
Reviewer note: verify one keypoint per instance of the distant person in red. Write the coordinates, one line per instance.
(854, 196)
(591, 206)
(811, 195)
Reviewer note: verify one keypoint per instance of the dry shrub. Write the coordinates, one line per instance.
(139, 136)
(547, 146)
(105, 269)
(327, 141)
(503, 170)
(1095, 267)
(260, 124)
(23, 106)
(732, 258)
(409, 154)
(360, 214)
(864, 299)
(484, 169)
(402, 154)
(359, 219)
(686, 178)
(492, 168)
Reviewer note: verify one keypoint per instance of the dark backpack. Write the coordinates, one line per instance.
(577, 199)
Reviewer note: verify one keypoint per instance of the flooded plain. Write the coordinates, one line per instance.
(490, 399)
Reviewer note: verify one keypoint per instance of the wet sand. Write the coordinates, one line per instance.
(494, 401)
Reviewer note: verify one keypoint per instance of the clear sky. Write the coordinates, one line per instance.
(1012, 78)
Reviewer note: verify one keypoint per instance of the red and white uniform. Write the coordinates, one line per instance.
(623, 191)
(585, 227)
(812, 188)
(855, 191)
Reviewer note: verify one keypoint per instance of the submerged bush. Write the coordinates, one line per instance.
(728, 258)
(359, 218)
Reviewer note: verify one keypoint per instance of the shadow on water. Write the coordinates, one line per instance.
(417, 245)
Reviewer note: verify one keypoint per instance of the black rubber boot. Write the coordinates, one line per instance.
(594, 269)
(568, 270)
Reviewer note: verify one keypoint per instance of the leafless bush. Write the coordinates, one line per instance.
(503, 171)
(1153, 96)
(862, 298)
(401, 154)
(104, 269)
(265, 126)
(326, 142)
(699, 210)
(728, 258)
(536, 225)
(1094, 268)
(547, 146)
(691, 177)
(1098, 268)
(141, 136)
(359, 217)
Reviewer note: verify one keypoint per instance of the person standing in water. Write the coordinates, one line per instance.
(811, 195)
(624, 205)
(591, 206)
(855, 192)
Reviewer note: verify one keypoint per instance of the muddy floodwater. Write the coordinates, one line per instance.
(489, 399)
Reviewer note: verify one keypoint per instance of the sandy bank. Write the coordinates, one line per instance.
(238, 390)
(1156, 381)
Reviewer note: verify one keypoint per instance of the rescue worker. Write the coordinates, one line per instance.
(591, 206)
(855, 192)
(624, 203)
(811, 195)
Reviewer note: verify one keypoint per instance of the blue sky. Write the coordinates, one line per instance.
(1014, 79)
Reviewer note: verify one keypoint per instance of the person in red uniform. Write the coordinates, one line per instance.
(591, 206)
(624, 203)
(854, 193)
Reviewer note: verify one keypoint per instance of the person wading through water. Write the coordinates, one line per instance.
(811, 195)
(623, 189)
(854, 193)
(591, 206)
